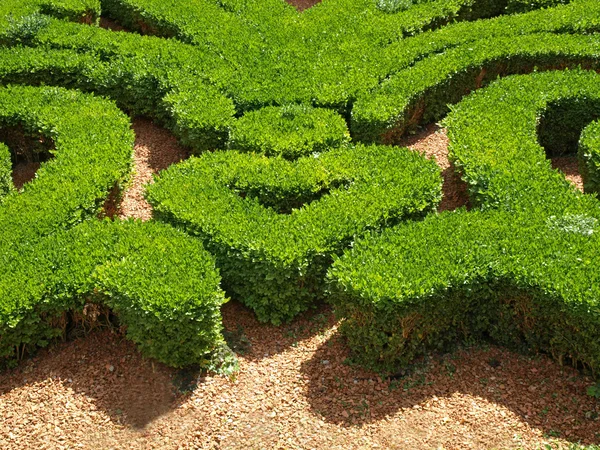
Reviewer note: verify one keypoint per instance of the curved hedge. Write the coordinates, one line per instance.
(205, 69)
(589, 157)
(422, 92)
(273, 246)
(522, 268)
(47, 271)
(290, 131)
(6, 184)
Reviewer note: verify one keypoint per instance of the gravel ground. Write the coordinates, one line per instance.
(301, 5)
(294, 389)
(155, 149)
(569, 165)
(432, 142)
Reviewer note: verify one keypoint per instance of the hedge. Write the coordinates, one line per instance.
(422, 92)
(6, 184)
(12, 13)
(259, 65)
(290, 131)
(268, 64)
(93, 149)
(162, 283)
(520, 268)
(589, 157)
(274, 225)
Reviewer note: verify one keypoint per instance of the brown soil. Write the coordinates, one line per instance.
(155, 149)
(23, 173)
(294, 389)
(110, 24)
(301, 5)
(569, 165)
(432, 142)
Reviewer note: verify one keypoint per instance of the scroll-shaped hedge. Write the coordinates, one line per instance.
(589, 157)
(524, 270)
(273, 246)
(422, 92)
(6, 184)
(289, 131)
(162, 283)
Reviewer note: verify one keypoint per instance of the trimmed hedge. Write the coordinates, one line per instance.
(92, 155)
(193, 88)
(589, 157)
(422, 92)
(274, 225)
(290, 131)
(6, 184)
(522, 268)
(271, 245)
(162, 284)
(19, 18)
(519, 6)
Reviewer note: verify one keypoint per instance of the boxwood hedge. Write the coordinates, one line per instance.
(274, 225)
(6, 184)
(204, 69)
(54, 259)
(422, 92)
(519, 268)
(589, 157)
(290, 131)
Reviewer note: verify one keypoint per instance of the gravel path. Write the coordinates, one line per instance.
(294, 389)
(155, 149)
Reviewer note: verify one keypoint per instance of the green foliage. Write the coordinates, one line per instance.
(162, 284)
(219, 73)
(589, 157)
(6, 184)
(422, 92)
(594, 391)
(24, 15)
(520, 6)
(289, 131)
(522, 268)
(274, 225)
(392, 6)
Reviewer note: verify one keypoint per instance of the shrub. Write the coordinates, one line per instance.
(290, 131)
(271, 245)
(519, 269)
(205, 67)
(422, 92)
(392, 6)
(162, 283)
(6, 184)
(589, 157)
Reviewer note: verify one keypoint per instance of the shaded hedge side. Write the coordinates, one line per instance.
(520, 268)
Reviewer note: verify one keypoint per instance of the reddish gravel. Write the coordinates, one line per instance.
(432, 142)
(293, 389)
(569, 165)
(301, 5)
(155, 150)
